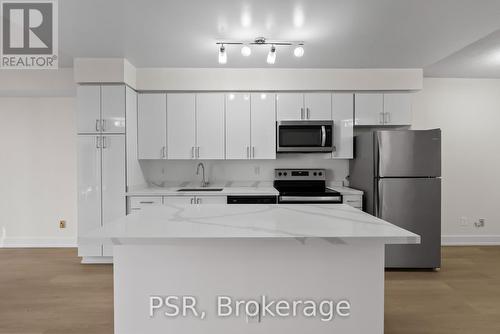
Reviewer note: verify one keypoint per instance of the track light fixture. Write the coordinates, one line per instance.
(260, 41)
(222, 54)
(271, 56)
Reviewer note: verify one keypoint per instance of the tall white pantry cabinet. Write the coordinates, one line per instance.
(101, 155)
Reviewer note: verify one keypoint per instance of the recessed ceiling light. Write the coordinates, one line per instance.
(246, 51)
(298, 52)
(222, 55)
(271, 56)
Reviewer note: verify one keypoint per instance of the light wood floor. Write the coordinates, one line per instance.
(48, 291)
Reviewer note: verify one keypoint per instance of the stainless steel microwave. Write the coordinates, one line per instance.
(304, 136)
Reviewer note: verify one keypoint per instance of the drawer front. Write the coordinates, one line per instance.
(354, 201)
(140, 202)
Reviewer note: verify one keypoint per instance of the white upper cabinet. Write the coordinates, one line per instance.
(100, 109)
(290, 106)
(210, 125)
(152, 126)
(88, 116)
(300, 106)
(318, 106)
(113, 108)
(397, 109)
(343, 113)
(263, 126)
(181, 126)
(369, 109)
(238, 126)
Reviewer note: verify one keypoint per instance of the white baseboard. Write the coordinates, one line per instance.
(97, 259)
(470, 240)
(19, 242)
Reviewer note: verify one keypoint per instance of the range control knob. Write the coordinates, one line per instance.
(279, 174)
(320, 173)
(314, 173)
(284, 173)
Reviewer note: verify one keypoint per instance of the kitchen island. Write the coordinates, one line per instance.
(249, 269)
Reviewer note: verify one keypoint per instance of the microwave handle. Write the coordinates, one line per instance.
(323, 136)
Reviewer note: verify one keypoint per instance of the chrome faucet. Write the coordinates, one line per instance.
(204, 183)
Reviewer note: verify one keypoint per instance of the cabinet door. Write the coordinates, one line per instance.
(181, 126)
(210, 125)
(263, 126)
(290, 106)
(369, 108)
(343, 113)
(152, 126)
(113, 181)
(179, 200)
(203, 200)
(113, 108)
(238, 126)
(89, 190)
(318, 106)
(397, 109)
(88, 105)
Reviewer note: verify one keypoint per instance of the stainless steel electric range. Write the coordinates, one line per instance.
(299, 186)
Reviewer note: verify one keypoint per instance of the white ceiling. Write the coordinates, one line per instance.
(337, 33)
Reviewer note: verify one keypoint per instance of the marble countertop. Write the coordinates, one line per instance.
(162, 223)
(229, 188)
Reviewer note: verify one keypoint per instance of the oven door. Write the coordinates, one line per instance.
(304, 136)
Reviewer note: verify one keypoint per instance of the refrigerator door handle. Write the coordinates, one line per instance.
(378, 199)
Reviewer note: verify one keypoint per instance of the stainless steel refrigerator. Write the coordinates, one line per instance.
(399, 172)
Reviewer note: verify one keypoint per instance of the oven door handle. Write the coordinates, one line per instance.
(310, 199)
(323, 136)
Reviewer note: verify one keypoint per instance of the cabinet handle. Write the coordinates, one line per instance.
(382, 118)
(308, 113)
(301, 113)
(192, 152)
(253, 151)
(97, 142)
(334, 148)
(97, 125)
(146, 202)
(248, 152)
(103, 125)
(198, 201)
(104, 145)
(388, 117)
(192, 198)
(198, 152)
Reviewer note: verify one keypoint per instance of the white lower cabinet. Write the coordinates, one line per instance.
(101, 185)
(137, 203)
(355, 201)
(193, 200)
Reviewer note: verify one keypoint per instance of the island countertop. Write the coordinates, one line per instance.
(157, 224)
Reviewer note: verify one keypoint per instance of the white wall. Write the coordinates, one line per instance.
(468, 112)
(37, 171)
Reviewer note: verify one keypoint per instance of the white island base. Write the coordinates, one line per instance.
(319, 253)
(246, 269)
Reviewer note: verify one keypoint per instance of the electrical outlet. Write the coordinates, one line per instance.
(62, 224)
(480, 223)
(462, 221)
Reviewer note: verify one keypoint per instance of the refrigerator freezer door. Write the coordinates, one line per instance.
(408, 153)
(415, 205)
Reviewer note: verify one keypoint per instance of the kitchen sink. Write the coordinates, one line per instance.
(200, 189)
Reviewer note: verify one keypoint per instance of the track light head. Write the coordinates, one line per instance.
(271, 56)
(222, 54)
